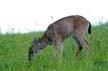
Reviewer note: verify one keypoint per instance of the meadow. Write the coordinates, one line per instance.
(14, 53)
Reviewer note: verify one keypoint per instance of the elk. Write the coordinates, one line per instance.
(74, 26)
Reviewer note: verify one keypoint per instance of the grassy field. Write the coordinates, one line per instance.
(14, 53)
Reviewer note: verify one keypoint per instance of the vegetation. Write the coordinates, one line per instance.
(14, 53)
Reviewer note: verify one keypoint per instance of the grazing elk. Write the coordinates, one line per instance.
(72, 26)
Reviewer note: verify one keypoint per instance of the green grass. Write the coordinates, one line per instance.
(14, 53)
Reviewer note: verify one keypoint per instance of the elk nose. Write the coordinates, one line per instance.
(30, 56)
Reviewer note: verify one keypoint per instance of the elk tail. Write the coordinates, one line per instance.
(89, 29)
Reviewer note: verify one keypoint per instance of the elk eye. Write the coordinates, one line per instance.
(39, 44)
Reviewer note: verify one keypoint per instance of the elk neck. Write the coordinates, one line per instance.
(43, 41)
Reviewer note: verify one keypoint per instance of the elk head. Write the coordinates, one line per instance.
(34, 48)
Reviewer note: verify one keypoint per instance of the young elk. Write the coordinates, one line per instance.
(72, 26)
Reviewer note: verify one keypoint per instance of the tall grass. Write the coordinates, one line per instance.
(14, 53)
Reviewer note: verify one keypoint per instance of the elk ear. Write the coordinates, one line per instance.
(35, 41)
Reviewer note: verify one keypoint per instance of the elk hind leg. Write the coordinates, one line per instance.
(78, 44)
(86, 45)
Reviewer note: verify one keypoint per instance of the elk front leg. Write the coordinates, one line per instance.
(58, 47)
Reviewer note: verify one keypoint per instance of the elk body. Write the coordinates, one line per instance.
(73, 26)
